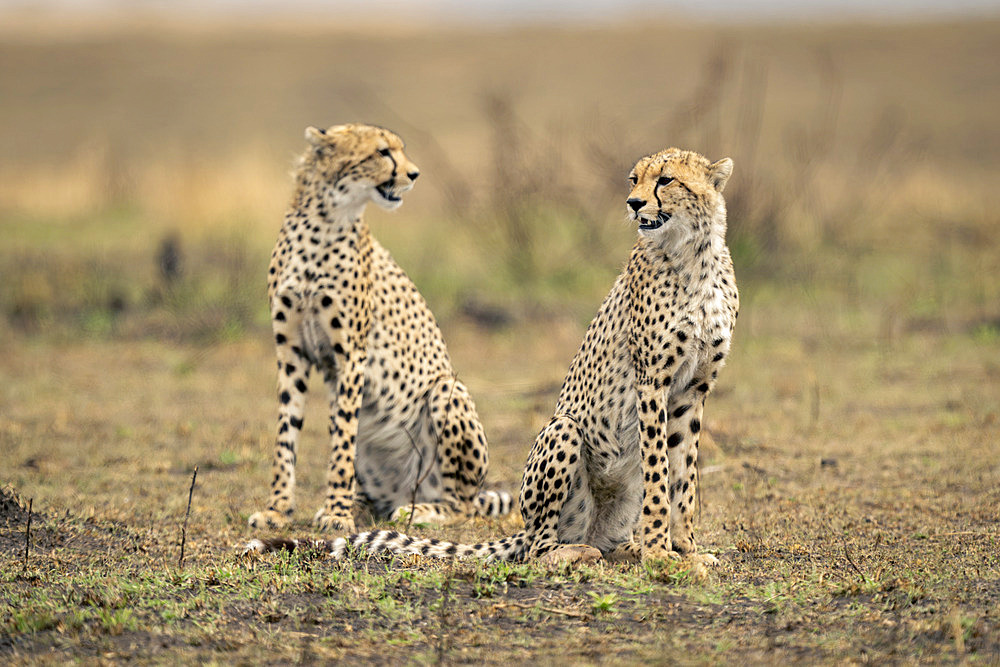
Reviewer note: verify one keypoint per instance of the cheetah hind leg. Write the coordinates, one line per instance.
(555, 499)
(462, 458)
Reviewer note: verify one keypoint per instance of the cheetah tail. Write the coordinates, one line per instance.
(511, 548)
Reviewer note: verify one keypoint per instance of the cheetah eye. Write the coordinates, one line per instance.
(634, 179)
(665, 180)
(385, 152)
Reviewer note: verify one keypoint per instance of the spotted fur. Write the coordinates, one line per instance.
(404, 433)
(616, 466)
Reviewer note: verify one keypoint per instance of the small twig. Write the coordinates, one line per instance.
(27, 535)
(180, 563)
(550, 610)
(847, 553)
(421, 473)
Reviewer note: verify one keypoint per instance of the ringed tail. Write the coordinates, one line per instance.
(511, 548)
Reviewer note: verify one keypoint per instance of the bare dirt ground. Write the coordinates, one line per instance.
(850, 491)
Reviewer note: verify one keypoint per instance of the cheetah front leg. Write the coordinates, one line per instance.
(685, 413)
(462, 456)
(653, 535)
(345, 383)
(293, 371)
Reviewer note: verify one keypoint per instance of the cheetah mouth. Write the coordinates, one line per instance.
(387, 194)
(648, 225)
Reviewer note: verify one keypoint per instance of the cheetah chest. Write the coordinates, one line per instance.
(705, 327)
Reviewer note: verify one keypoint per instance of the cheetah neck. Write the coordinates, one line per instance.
(327, 203)
(327, 216)
(695, 255)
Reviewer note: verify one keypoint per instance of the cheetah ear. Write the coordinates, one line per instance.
(316, 136)
(719, 173)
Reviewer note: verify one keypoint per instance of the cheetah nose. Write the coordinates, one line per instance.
(636, 204)
(413, 175)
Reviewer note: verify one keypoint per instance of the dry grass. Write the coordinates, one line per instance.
(850, 480)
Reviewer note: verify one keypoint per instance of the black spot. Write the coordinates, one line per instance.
(695, 425)
(674, 440)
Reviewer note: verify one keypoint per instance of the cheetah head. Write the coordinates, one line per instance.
(677, 195)
(355, 164)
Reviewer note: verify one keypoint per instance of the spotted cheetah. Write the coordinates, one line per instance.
(615, 469)
(403, 429)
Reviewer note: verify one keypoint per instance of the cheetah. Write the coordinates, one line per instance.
(614, 472)
(404, 433)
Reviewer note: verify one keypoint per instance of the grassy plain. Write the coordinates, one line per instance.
(851, 475)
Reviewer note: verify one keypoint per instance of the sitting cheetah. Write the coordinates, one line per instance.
(401, 423)
(616, 467)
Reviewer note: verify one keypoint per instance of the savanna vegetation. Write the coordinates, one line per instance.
(850, 470)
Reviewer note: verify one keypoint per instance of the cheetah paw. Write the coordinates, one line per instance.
(269, 519)
(703, 558)
(630, 552)
(570, 554)
(649, 555)
(333, 523)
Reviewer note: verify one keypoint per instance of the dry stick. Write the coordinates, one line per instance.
(27, 535)
(550, 610)
(421, 476)
(857, 569)
(180, 563)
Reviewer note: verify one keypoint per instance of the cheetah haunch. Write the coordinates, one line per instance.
(402, 427)
(616, 466)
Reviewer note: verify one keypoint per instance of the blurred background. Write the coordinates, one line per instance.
(145, 150)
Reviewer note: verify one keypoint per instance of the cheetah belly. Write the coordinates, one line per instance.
(395, 462)
(316, 342)
(614, 472)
